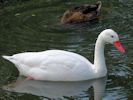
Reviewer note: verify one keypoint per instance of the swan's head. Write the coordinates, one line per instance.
(110, 36)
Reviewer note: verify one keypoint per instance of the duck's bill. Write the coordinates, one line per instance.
(119, 47)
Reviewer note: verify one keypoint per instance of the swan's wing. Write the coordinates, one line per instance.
(62, 66)
(26, 58)
(50, 58)
(65, 61)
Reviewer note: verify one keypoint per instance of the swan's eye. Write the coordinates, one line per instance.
(112, 36)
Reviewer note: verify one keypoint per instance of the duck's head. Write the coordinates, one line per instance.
(110, 36)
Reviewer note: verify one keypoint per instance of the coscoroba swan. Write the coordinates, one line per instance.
(59, 65)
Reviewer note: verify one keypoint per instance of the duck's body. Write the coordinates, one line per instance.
(83, 13)
(59, 65)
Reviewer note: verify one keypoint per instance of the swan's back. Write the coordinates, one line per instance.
(33, 58)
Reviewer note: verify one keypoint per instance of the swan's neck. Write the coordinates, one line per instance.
(99, 59)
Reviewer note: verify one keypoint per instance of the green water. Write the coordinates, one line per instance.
(34, 25)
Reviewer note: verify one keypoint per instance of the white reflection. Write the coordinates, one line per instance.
(58, 89)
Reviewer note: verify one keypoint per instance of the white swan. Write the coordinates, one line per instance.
(59, 65)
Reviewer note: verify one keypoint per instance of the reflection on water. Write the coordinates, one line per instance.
(59, 89)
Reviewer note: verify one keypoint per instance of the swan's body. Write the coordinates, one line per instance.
(59, 65)
(54, 65)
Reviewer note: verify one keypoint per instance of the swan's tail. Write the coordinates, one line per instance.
(10, 58)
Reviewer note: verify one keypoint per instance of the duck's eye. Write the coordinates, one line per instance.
(112, 36)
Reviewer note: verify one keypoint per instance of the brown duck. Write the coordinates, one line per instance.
(83, 13)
